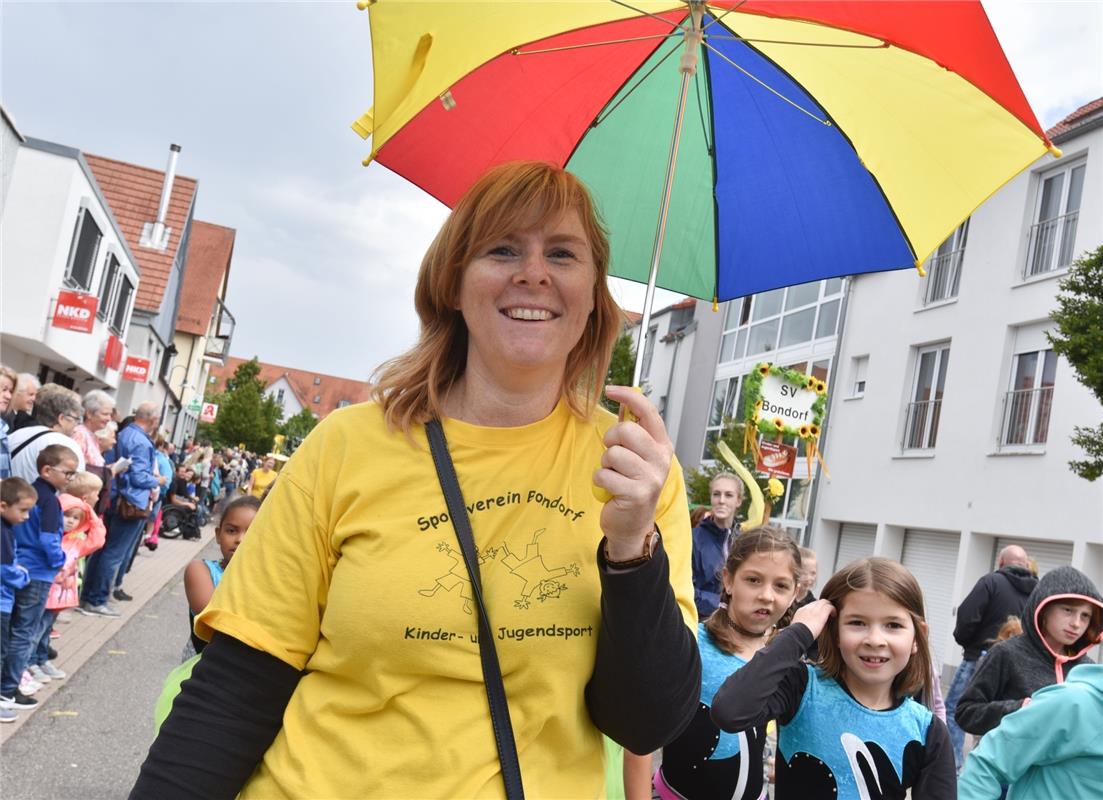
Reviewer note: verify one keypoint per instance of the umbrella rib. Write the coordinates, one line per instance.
(880, 46)
(605, 115)
(730, 10)
(643, 13)
(767, 87)
(593, 44)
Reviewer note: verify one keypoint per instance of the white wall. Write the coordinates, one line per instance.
(290, 403)
(966, 484)
(45, 196)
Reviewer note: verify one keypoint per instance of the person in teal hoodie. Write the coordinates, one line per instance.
(1050, 748)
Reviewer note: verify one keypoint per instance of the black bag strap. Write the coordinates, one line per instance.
(23, 445)
(492, 672)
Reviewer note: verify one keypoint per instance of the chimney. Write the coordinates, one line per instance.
(155, 234)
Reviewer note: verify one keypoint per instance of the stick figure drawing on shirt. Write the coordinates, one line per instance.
(457, 575)
(537, 577)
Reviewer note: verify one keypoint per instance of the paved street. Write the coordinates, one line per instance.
(89, 738)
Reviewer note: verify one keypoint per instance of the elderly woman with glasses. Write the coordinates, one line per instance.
(98, 408)
(57, 412)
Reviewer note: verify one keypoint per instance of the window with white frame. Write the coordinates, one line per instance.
(649, 351)
(1029, 399)
(109, 287)
(944, 267)
(83, 252)
(1052, 241)
(781, 318)
(120, 313)
(858, 367)
(923, 412)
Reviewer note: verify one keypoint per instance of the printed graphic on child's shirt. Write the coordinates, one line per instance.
(539, 582)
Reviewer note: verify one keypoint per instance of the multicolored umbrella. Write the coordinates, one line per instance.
(733, 147)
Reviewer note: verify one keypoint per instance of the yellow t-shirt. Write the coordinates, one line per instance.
(261, 481)
(351, 571)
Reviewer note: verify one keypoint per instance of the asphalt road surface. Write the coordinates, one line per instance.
(88, 740)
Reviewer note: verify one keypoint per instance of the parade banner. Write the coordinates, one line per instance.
(136, 369)
(75, 311)
(780, 403)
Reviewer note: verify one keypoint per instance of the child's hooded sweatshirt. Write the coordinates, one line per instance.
(1050, 749)
(85, 539)
(1016, 668)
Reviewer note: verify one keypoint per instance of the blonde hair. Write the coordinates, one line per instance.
(895, 582)
(411, 387)
(84, 483)
(9, 373)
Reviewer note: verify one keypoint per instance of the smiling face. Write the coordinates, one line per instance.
(761, 590)
(1065, 621)
(526, 299)
(97, 420)
(876, 641)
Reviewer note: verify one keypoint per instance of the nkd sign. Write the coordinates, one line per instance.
(75, 311)
(136, 369)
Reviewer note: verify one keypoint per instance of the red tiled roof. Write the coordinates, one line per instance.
(134, 193)
(1079, 115)
(210, 249)
(633, 317)
(331, 388)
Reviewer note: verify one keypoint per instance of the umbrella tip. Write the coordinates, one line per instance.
(363, 4)
(1055, 151)
(715, 304)
(919, 268)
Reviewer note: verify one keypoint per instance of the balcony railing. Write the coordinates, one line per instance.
(943, 276)
(921, 425)
(220, 333)
(1050, 246)
(1026, 416)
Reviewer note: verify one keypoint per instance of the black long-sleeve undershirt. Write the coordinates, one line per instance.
(643, 691)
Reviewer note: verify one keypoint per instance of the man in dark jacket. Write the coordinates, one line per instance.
(996, 596)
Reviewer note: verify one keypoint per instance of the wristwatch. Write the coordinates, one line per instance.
(650, 542)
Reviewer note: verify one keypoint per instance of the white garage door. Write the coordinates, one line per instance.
(855, 541)
(1047, 554)
(931, 556)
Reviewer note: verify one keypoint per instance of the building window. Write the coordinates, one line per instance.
(1053, 235)
(122, 307)
(343, 403)
(317, 382)
(923, 412)
(1029, 401)
(780, 318)
(83, 252)
(108, 287)
(681, 317)
(944, 267)
(858, 367)
(279, 396)
(317, 398)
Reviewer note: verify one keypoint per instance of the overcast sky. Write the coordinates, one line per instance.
(260, 97)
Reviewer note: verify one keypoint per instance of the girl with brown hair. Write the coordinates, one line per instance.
(848, 727)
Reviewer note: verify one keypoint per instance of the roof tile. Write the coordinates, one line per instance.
(1075, 118)
(330, 390)
(210, 250)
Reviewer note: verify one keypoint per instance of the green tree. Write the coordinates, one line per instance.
(620, 367)
(698, 479)
(245, 414)
(1079, 338)
(296, 428)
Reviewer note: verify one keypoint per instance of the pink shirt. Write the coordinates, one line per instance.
(89, 445)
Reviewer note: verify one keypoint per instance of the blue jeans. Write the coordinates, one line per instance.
(962, 677)
(104, 564)
(26, 615)
(41, 652)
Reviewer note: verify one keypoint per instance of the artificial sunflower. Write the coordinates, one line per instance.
(764, 370)
(779, 423)
(775, 487)
(814, 430)
(821, 387)
(811, 384)
(805, 431)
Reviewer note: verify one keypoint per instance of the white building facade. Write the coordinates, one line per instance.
(59, 236)
(949, 428)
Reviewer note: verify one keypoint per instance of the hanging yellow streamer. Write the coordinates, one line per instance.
(756, 516)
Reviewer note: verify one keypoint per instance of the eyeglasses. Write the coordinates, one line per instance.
(68, 473)
(72, 417)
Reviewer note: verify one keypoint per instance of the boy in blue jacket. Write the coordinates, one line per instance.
(17, 497)
(39, 543)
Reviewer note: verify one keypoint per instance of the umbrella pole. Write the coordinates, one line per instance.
(688, 68)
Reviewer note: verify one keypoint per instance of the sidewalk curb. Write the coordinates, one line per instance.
(83, 637)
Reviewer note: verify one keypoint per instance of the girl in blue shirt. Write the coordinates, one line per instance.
(848, 726)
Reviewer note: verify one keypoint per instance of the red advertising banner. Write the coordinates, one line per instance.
(136, 369)
(112, 356)
(75, 311)
(776, 459)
